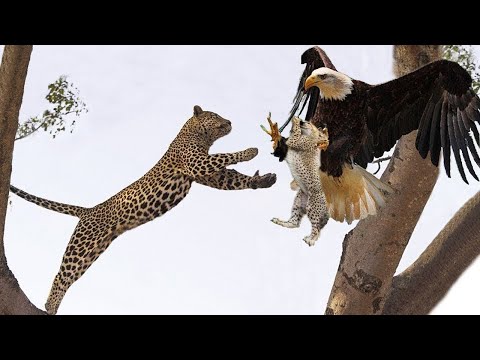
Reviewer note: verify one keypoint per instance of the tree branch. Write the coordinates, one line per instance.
(13, 72)
(42, 124)
(378, 161)
(372, 251)
(13, 300)
(420, 287)
(32, 131)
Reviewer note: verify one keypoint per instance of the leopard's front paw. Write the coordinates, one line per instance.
(262, 181)
(249, 154)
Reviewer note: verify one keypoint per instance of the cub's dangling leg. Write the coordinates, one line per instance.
(317, 213)
(299, 209)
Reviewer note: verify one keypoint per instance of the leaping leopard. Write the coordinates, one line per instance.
(158, 191)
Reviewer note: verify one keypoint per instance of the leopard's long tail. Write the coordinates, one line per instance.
(50, 205)
(355, 195)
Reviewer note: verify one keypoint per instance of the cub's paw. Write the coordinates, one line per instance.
(310, 240)
(286, 224)
(294, 186)
(262, 181)
(249, 154)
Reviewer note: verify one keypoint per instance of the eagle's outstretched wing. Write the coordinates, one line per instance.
(314, 58)
(436, 99)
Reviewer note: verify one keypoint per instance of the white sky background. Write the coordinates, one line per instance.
(216, 252)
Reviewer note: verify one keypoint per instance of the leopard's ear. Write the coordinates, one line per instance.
(197, 110)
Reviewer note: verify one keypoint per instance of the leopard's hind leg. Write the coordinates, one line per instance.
(87, 243)
(317, 213)
(299, 209)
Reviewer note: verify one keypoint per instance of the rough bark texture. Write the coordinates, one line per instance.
(13, 72)
(372, 251)
(420, 287)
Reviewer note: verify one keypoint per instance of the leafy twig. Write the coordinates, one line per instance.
(463, 54)
(65, 98)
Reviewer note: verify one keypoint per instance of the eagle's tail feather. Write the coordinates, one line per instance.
(355, 195)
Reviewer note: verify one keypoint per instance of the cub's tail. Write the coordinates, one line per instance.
(50, 205)
(355, 195)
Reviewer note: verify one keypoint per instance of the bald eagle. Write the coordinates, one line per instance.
(364, 121)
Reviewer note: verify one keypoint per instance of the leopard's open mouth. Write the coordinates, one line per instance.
(305, 124)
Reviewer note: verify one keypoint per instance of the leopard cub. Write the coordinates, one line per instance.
(303, 158)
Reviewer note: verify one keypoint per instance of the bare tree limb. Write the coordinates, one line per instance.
(422, 285)
(378, 161)
(13, 300)
(13, 72)
(372, 251)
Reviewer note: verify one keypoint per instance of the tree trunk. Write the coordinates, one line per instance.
(419, 288)
(372, 251)
(13, 72)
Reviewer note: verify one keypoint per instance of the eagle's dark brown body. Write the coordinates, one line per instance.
(347, 128)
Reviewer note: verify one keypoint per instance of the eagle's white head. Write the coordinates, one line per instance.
(332, 84)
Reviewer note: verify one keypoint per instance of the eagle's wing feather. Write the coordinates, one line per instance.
(436, 99)
(365, 155)
(314, 58)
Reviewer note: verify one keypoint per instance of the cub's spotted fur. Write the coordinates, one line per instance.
(303, 158)
(159, 190)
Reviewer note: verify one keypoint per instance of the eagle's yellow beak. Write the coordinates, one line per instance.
(310, 82)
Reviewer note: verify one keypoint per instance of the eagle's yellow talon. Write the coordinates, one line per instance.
(274, 132)
(268, 132)
(323, 145)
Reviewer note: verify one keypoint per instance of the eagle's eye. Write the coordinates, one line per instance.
(322, 76)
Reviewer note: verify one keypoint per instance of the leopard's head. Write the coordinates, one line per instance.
(209, 125)
(314, 134)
